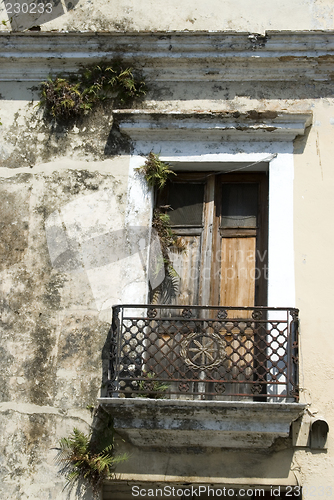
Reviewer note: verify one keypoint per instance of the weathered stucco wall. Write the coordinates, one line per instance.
(52, 332)
(69, 202)
(61, 227)
(131, 15)
(314, 179)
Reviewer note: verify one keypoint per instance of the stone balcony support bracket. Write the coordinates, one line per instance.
(189, 423)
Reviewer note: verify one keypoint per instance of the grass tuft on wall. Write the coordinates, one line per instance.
(84, 459)
(66, 98)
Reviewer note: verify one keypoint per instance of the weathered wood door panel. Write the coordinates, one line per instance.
(237, 271)
(240, 240)
(184, 202)
(241, 236)
(186, 265)
(222, 220)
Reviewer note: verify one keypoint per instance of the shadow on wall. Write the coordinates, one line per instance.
(208, 91)
(82, 237)
(117, 143)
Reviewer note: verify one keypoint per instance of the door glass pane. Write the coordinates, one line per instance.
(239, 205)
(186, 202)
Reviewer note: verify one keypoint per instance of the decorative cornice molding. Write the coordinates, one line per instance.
(172, 126)
(174, 56)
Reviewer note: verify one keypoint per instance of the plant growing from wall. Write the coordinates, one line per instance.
(152, 388)
(156, 174)
(89, 457)
(66, 98)
(155, 171)
(168, 240)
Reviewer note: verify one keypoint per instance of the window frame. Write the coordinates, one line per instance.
(210, 229)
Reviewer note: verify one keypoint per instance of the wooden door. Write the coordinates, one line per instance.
(186, 202)
(239, 264)
(222, 220)
(239, 273)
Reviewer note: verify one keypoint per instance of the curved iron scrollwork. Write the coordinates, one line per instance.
(186, 313)
(184, 387)
(256, 388)
(294, 314)
(198, 351)
(222, 314)
(220, 388)
(151, 313)
(257, 315)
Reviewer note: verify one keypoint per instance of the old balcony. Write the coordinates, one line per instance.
(220, 353)
(228, 372)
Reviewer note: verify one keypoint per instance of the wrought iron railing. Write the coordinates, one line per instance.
(198, 352)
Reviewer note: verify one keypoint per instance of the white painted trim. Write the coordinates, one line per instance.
(214, 126)
(137, 217)
(281, 278)
(281, 282)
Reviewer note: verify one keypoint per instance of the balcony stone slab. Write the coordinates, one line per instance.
(196, 423)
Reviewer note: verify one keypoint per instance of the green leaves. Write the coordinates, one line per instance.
(155, 171)
(161, 223)
(68, 98)
(80, 459)
(168, 239)
(152, 388)
(78, 442)
(156, 174)
(61, 98)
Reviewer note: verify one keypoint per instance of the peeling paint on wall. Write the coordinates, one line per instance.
(75, 219)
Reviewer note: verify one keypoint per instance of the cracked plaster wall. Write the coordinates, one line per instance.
(55, 310)
(131, 15)
(63, 213)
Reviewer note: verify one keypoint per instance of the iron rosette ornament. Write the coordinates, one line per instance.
(203, 351)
